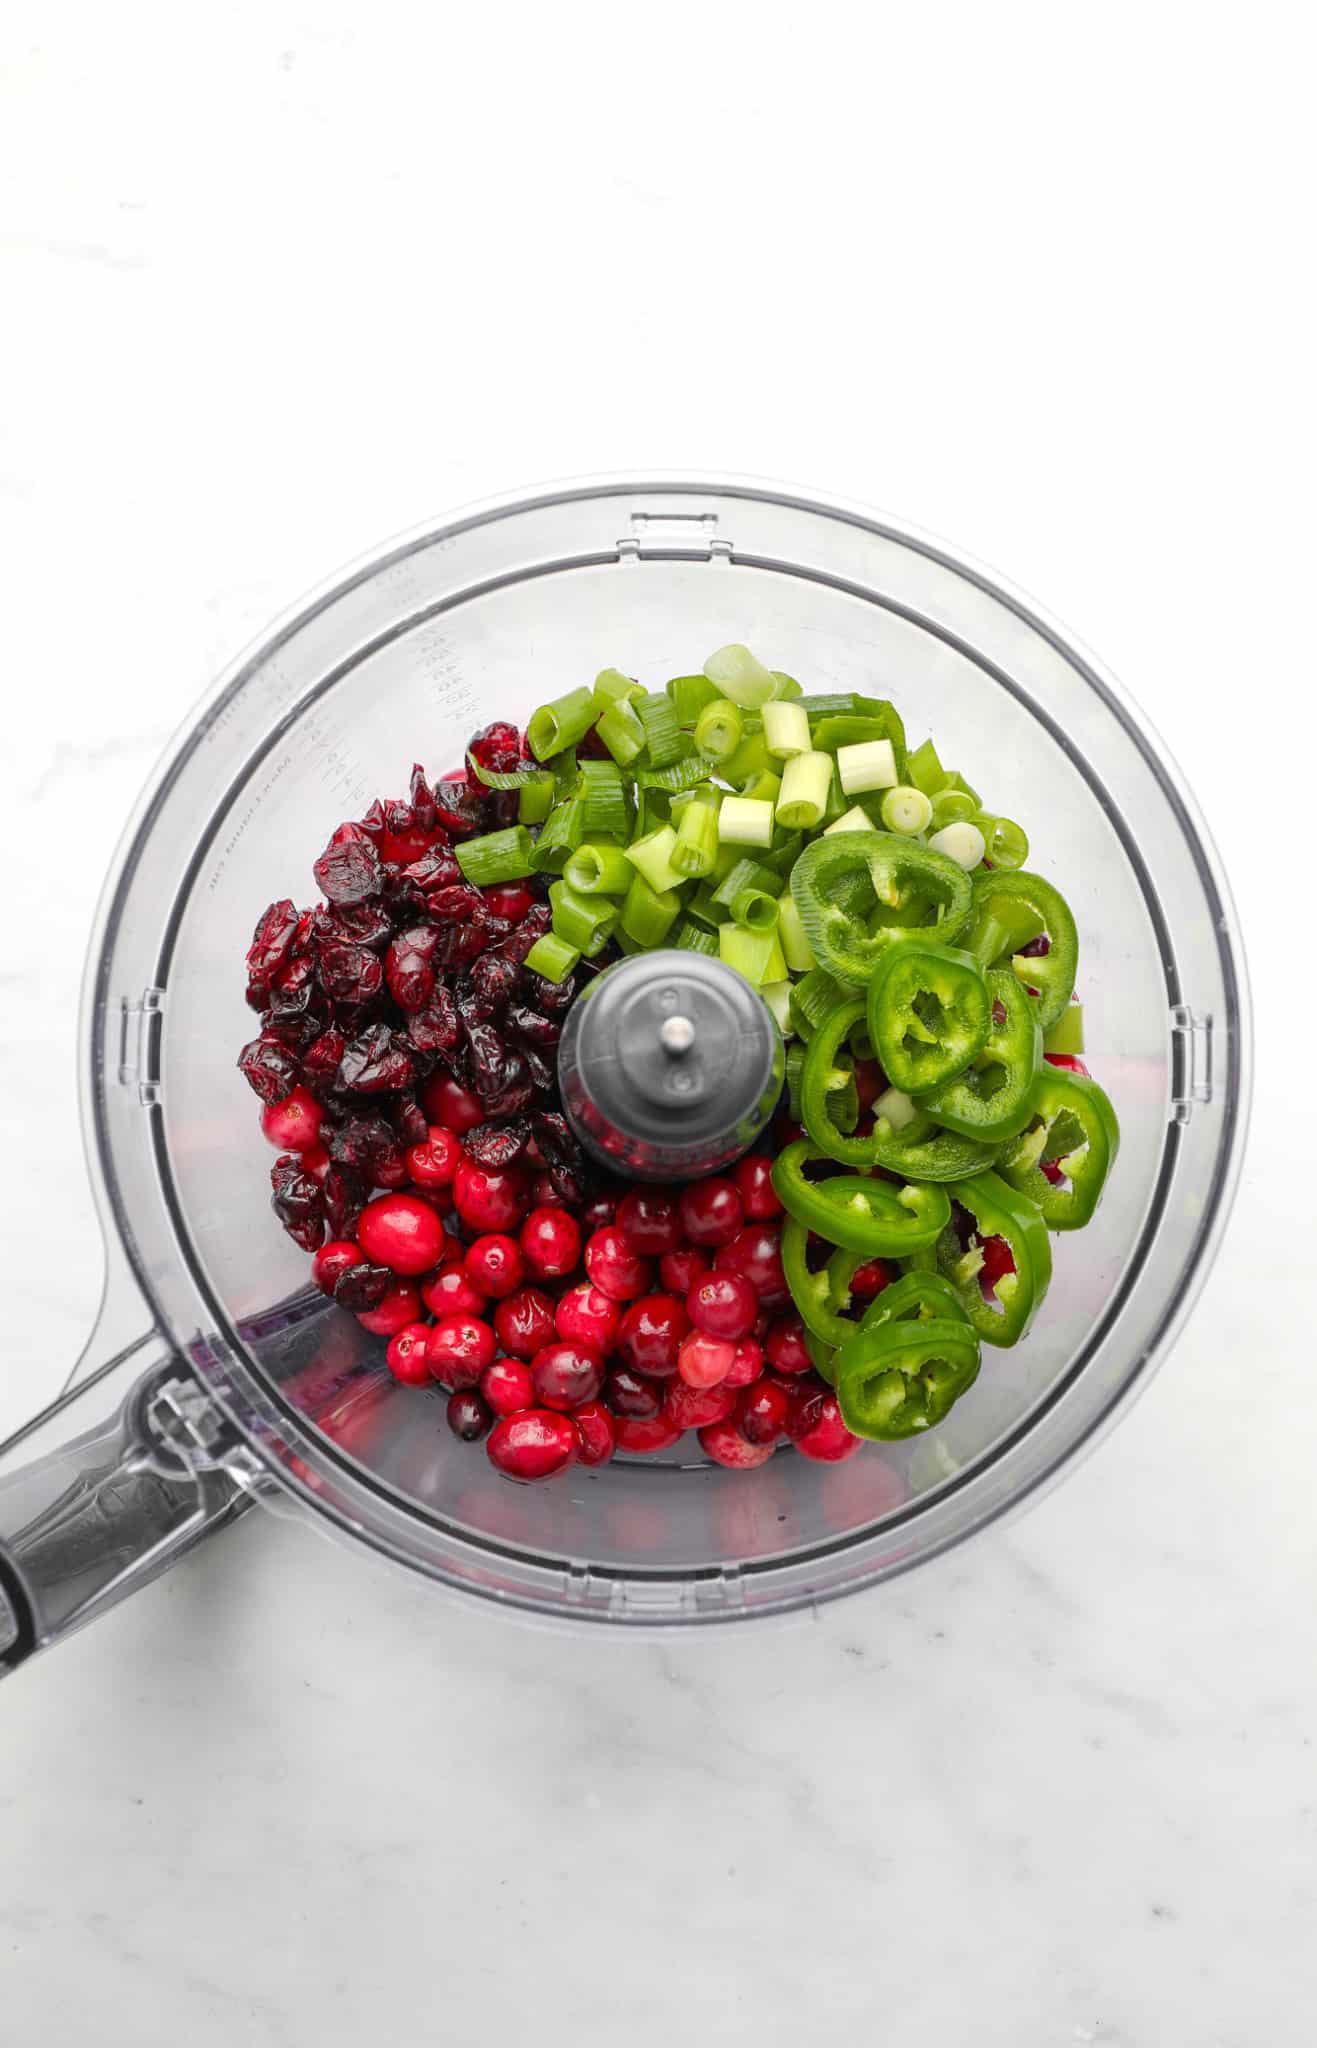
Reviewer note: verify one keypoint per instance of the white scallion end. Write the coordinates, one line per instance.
(740, 675)
(745, 821)
(906, 810)
(870, 765)
(853, 820)
(777, 995)
(786, 729)
(961, 842)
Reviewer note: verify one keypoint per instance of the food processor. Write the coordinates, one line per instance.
(217, 1376)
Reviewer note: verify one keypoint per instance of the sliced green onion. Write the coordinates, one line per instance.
(561, 723)
(565, 773)
(552, 957)
(795, 942)
(622, 733)
(664, 739)
(848, 730)
(601, 793)
(535, 799)
(651, 857)
(786, 847)
(786, 687)
(750, 953)
(561, 834)
(746, 874)
(813, 996)
(777, 995)
(745, 821)
(786, 730)
(853, 820)
(677, 777)
(870, 765)
(836, 803)
(689, 696)
(1067, 1034)
(697, 839)
(955, 780)
(750, 759)
(740, 675)
(795, 1076)
(612, 687)
(776, 969)
(764, 788)
(925, 770)
(496, 856)
(906, 809)
(599, 870)
(651, 812)
(828, 703)
(1006, 843)
(719, 729)
(648, 914)
(961, 842)
(585, 922)
(806, 779)
(501, 778)
(705, 906)
(950, 807)
(695, 938)
(755, 909)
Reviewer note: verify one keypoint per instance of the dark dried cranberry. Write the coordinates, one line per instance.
(530, 1027)
(493, 979)
(298, 1202)
(348, 871)
(550, 995)
(533, 926)
(436, 869)
(361, 924)
(372, 824)
(349, 974)
(540, 1071)
(408, 966)
(422, 798)
(369, 1146)
(492, 1144)
(485, 1045)
(269, 1067)
(322, 1057)
(410, 1121)
(563, 1159)
(376, 1062)
(459, 808)
(296, 1032)
(496, 747)
(502, 808)
(272, 942)
(435, 1028)
(362, 1287)
(291, 989)
(518, 1092)
(345, 1198)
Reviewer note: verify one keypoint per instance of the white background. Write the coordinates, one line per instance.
(278, 280)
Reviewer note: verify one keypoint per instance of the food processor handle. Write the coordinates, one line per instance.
(85, 1519)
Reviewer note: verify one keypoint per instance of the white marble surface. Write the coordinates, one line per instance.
(281, 279)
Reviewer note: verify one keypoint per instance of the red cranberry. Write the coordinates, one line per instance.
(785, 1346)
(587, 1315)
(489, 1198)
(615, 1266)
(523, 1323)
(293, 1125)
(567, 1375)
(649, 1218)
(468, 1416)
(755, 1251)
(642, 1435)
(710, 1211)
(723, 1304)
(1047, 1167)
(433, 1164)
(450, 1292)
(459, 1349)
(762, 1411)
(754, 1184)
(704, 1361)
(598, 1213)
(869, 1280)
(509, 899)
(724, 1443)
(695, 1407)
(998, 1261)
(392, 1312)
(406, 1358)
(493, 1264)
(629, 1393)
(597, 1431)
(533, 1445)
(401, 1232)
(445, 1101)
(806, 1396)
(543, 1194)
(550, 1243)
(331, 1262)
(680, 1270)
(650, 1334)
(828, 1439)
(507, 1387)
(315, 1160)
(1066, 1061)
(747, 1364)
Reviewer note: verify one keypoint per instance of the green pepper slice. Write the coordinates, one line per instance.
(999, 1210)
(929, 1014)
(1014, 908)
(868, 1216)
(860, 892)
(899, 1378)
(1074, 1129)
(994, 1099)
(819, 1297)
(824, 1099)
(915, 1295)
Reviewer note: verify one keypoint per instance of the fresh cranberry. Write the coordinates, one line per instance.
(755, 1251)
(588, 1316)
(785, 1346)
(406, 1357)
(615, 1266)
(533, 1445)
(650, 1220)
(550, 1243)
(567, 1374)
(998, 1261)
(723, 1305)
(754, 1184)
(597, 1431)
(806, 1396)
(1049, 1168)
(494, 1265)
(293, 1125)
(869, 1280)
(680, 1270)
(828, 1439)
(510, 900)
(704, 1361)
(746, 1366)
(762, 1411)
(650, 1333)
(459, 1349)
(643, 1435)
(488, 1198)
(599, 1212)
(710, 1212)
(695, 1407)
(468, 1416)
(1067, 1062)
(724, 1443)
(433, 1164)
(629, 1393)
(392, 1312)
(786, 1131)
(445, 1101)
(450, 1292)
(506, 1386)
(523, 1323)
(401, 1232)
(316, 1161)
(332, 1261)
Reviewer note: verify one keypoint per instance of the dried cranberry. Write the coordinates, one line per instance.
(539, 1074)
(563, 1158)
(458, 807)
(409, 1121)
(422, 798)
(348, 973)
(517, 1093)
(370, 1147)
(360, 924)
(550, 995)
(492, 1144)
(272, 942)
(496, 747)
(376, 1062)
(322, 1057)
(372, 824)
(269, 1068)
(533, 926)
(408, 966)
(435, 1028)
(502, 808)
(298, 1202)
(530, 1027)
(291, 988)
(345, 1198)
(493, 979)
(362, 1287)
(432, 870)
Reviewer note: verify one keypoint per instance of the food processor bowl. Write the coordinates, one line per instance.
(218, 1375)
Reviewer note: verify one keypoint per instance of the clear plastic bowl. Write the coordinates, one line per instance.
(486, 615)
